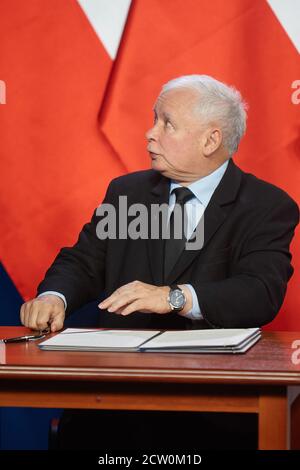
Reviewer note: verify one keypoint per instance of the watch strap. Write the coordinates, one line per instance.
(174, 286)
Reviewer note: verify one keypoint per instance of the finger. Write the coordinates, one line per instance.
(37, 310)
(22, 313)
(135, 306)
(105, 303)
(27, 307)
(108, 301)
(57, 321)
(122, 301)
(42, 319)
(131, 286)
(32, 318)
(111, 300)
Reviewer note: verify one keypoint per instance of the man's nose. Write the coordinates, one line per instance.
(151, 134)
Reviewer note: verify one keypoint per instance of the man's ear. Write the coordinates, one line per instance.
(212, 139)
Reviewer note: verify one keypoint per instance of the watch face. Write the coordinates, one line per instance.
(177, 298)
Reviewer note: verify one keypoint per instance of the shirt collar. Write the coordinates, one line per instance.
(204, 188)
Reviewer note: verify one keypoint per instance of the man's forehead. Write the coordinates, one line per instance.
(174, 98)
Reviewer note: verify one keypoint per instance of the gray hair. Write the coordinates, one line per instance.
(218, 103)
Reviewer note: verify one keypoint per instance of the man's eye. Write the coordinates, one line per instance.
(168, 124)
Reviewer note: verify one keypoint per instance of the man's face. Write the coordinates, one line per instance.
(174, 142)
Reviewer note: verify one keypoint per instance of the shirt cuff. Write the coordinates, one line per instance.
(58, 294)
(195, 312)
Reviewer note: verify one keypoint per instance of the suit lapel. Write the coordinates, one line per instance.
(158, 195)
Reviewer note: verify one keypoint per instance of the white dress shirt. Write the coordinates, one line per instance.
(203, 190)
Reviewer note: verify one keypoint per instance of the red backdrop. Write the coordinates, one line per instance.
(74, 118)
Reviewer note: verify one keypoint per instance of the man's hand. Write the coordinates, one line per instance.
(44, 311)
(138, 296)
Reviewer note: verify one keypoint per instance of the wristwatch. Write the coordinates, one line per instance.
(176, 298)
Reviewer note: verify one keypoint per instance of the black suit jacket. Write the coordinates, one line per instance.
(240, 275)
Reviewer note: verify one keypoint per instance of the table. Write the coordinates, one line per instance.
(265, 380)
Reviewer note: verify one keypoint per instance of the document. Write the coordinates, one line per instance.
(194, 341)
(204, 341)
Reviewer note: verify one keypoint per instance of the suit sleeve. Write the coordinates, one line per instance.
(254, 291)
(78, 272)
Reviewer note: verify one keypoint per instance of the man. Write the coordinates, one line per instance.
(238, 278)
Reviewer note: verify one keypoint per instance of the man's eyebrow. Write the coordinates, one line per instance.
(164, 114)
(167, 116)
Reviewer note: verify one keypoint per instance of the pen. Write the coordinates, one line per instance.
(19, 339)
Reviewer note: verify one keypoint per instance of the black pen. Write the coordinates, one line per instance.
(19, 339)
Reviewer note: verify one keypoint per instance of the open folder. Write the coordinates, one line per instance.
(192, 341)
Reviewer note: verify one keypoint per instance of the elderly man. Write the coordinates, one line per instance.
(239, 276)
(236, 278)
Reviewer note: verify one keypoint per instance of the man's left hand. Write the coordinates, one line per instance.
(138, 296)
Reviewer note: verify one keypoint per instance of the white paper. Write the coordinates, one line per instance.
(201, 338)
(92, 339)
(206, 341)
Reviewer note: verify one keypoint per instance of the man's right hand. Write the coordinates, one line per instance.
(42, 312)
